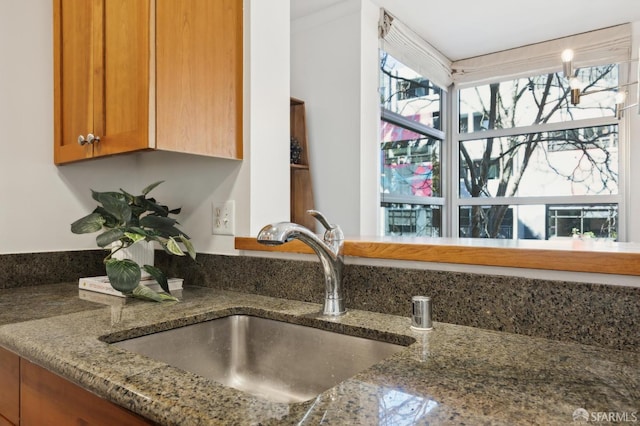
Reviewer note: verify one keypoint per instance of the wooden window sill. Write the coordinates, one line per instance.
(571, 255)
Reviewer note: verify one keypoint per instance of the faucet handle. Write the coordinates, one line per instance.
(333, 232)
(320, 217)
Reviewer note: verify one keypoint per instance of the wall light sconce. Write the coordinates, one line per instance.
(576, 85)
(567, 63)
(620, 98)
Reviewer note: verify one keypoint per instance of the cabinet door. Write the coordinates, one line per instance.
(75, 75)
(48, 399)
(9, 388)
(199, 76)
(101, 77)
(123, 123)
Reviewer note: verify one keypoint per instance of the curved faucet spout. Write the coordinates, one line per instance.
(329, 251)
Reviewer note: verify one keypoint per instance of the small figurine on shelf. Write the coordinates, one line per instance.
(296, 151)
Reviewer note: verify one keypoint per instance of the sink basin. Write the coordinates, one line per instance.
(276, 360)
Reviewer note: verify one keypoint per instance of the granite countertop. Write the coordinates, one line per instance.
(451, 375)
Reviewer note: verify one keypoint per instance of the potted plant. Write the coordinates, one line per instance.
(125, 220)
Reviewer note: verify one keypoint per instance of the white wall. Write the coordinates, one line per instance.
(369, 121)
(328, 72)
(38, 200)
(268, 113)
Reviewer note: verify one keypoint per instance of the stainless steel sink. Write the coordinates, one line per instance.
(279, 361)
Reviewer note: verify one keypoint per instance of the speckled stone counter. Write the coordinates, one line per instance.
(451, 375)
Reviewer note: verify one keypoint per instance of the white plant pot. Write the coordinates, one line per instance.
(140, 252)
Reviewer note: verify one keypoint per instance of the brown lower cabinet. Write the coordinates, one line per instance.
(9, 388)
(33, 396)
(5, 422)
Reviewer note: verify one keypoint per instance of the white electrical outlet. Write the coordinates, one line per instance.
(224, 220)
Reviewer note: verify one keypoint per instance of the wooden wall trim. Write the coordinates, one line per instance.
(570, 255)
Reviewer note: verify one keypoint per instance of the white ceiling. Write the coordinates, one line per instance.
(463, 28)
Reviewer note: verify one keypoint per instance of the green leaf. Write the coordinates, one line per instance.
(129, 198)
(139, 200)
(149, 188)
(184, 236)
(170, 232)
(134, 236)
(110, 221)
(138, 230)
(99, 195)
(136, 212)
(146, 293)
(190, 249)
(157, 209)
(116, 204)
(153, 221)
(90, 223)
(109, 237)
(173, 247)
(159, 276)
(124, 275)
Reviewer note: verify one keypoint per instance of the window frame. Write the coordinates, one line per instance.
(453, 201)
(386, 115)
(451, 137)
(398, 120)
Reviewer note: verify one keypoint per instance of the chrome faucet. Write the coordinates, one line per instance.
(329, 250)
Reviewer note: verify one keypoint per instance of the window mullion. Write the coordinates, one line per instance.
(451, 153)
(409, 124)
(524, 201)
(538, 128)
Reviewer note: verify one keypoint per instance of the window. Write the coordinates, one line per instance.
(534, 154)
(410, 151)
(497, 149)
(525, 154)
(592, 220)
(492, 221)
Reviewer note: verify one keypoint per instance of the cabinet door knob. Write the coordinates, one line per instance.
(92, 139)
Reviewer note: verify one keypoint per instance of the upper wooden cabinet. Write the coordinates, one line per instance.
(147, 74)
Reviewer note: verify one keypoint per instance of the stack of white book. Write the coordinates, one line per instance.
(102, 285)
